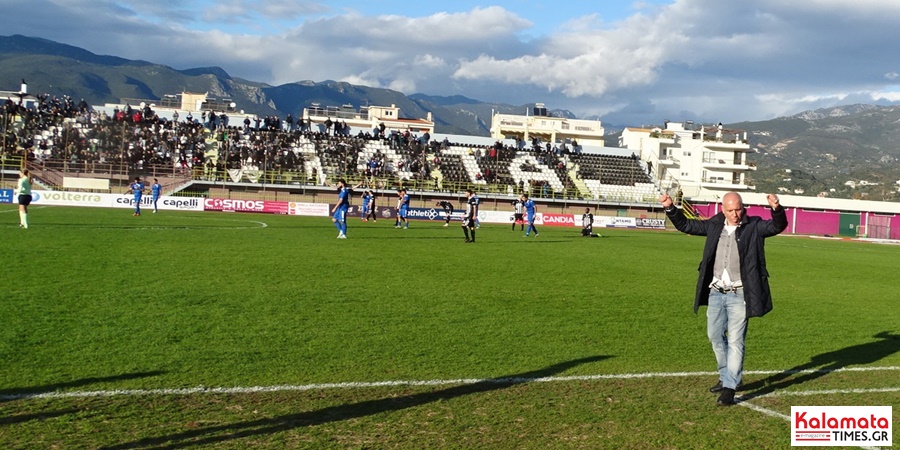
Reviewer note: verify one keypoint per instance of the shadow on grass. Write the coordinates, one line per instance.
(33, 391)
(11, 420)
(7, 395)
(825, 363)
(223, 433)
(404, 237)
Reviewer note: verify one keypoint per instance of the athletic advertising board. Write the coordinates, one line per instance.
(6, 196)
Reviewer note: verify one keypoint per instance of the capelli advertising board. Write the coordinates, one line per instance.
(165, 202)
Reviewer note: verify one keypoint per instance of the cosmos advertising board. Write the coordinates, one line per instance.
(235, 205)
(6, 196)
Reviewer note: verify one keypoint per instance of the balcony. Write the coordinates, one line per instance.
(663, 137)
(722, 165)
(724, 185)
(733, 145)
(669, 161)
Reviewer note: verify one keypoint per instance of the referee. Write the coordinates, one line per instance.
(519, 205)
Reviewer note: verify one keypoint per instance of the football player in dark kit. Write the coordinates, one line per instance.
(448, 210)
(468, 222)
(519, 205)
(587, 224)
(368, 206)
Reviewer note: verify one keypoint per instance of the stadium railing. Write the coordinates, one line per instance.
(9, 169)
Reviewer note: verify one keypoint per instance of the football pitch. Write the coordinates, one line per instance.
(228, 330)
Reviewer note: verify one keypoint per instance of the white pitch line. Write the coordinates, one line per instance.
(765, 411)
(779, 415)
(829, 392)
(17, 210)
(769, 412)
(437, 382)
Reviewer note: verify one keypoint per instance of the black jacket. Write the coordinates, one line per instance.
(751, 234)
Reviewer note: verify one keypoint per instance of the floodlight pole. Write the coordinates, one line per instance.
(124, 144)
(3, 150)
(5, 126)
(66, 150)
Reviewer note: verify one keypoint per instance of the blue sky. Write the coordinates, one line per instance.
(545, 16)
(628, 62)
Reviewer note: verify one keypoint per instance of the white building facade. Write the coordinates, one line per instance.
(703, 162)
(547, 128)
(367, 118)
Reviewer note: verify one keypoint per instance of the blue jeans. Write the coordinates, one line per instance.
(726, 326)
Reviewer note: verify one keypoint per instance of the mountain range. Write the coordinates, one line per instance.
(808, 153)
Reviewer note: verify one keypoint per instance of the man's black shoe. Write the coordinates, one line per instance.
(726, 398)
(718, 387)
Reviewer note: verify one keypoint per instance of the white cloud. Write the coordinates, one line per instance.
(718, 60)
(891, 96)
(584, 61)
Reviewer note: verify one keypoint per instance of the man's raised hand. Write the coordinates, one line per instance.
(665, 200)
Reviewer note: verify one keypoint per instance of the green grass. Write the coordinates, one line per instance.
(99, 300)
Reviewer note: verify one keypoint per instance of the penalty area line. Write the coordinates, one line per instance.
(17, 209)
(436, 382)
(776, 414)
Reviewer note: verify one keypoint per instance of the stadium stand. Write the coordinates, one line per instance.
(58, 138)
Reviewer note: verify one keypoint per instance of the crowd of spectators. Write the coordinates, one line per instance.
(57, 130)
